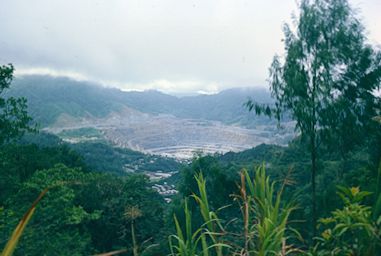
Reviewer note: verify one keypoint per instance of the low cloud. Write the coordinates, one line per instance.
(169, 45)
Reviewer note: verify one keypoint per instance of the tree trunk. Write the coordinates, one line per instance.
(313, 183)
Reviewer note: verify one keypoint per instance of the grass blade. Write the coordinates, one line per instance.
(112, 253)
(13, 241)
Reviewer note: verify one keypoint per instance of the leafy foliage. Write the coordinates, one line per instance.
(13, 240)
(326, 80)
(14, 119)
(57, 214)
(350, 230)
(103, 157)
(264, 222)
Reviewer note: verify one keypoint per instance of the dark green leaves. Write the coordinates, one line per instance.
(14, 118)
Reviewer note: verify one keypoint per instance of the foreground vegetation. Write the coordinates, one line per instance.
(221, 209)
(321, 195)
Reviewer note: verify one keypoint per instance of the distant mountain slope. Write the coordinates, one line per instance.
(226, 106)
(50, 97)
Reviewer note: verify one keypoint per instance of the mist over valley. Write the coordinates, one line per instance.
(150, 121)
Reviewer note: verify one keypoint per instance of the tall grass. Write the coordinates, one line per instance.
(268, 218)
(212, 222)
(264, 221)
(186, 244)
(205, 238)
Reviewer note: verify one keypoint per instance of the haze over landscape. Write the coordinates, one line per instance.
(150, 121)
(177, 47)
(188, 128)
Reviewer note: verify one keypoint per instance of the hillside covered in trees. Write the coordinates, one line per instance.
(49, 97)
(320, 195)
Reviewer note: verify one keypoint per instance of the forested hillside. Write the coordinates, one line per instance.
(150, 122)
(315, 194)
(48, 97)
(221, 173)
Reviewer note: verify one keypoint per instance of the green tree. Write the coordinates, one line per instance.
(115, 196)
(14, 118)
(58, 225)
(19, 162)
(326, 79)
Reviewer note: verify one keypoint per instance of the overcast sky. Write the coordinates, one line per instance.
(176, 46)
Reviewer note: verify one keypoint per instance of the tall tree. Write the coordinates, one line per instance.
(326, 79)
(14, 118)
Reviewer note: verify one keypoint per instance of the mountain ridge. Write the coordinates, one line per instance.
(150, 122)
(48, 97)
